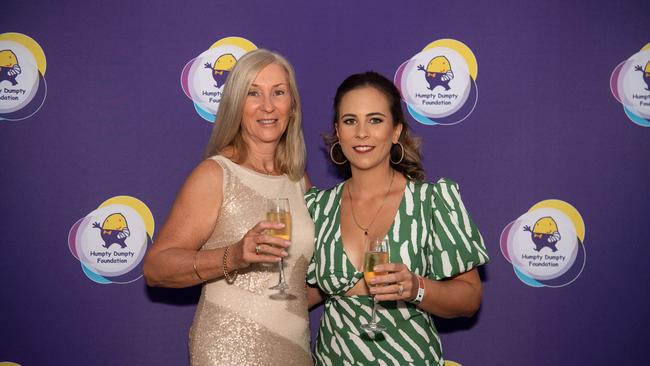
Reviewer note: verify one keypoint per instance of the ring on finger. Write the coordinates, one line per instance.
(400, 289)
(257, 249)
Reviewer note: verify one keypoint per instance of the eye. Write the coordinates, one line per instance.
(349, 121)
(253, 93)
(279, 92)
(376, 120)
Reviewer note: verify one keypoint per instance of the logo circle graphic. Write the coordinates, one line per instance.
(630, 86)
(545, 244)
(22, 76)
(204, 76)
(438, 84)
(111, 241)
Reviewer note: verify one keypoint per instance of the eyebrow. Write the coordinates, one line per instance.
(371, 114)
(273, 86)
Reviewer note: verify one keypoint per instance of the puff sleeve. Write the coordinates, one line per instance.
(457, 244)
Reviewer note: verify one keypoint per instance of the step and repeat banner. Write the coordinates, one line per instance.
(540, 110)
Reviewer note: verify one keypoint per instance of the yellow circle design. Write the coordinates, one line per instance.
(240, 42)
(138, 206)
(646, 47)
(31, 45)
(568, 210)
(452, 363)
(462, 49)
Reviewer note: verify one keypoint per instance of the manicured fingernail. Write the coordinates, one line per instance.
(284, 254)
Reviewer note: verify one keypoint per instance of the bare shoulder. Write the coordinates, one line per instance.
(204, 184)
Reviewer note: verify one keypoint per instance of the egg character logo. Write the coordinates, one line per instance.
(200, 86)
(438, 72)
(544, 233)
(646, 74)
(632, 89)
(540, 256)
(127, 222)
(9, 67)
(443, 96)
(22, 77)
(114, 230)
(221, 68)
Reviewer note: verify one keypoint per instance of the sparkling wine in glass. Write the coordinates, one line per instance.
(376, 253)
(278, 211)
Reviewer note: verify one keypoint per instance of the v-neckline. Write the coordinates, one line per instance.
(389, 233)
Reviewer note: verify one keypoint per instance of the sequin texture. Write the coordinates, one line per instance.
(244, 323)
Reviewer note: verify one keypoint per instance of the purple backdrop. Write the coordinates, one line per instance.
(116, 122)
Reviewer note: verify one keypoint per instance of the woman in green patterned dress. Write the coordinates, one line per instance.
(434, 245)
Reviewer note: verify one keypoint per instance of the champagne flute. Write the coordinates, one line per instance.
(376, 253)
(277, 211)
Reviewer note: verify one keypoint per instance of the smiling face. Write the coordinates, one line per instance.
(365, 128)
(267, 106)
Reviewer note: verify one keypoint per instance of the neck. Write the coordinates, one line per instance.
(368, 182)
(261, 157)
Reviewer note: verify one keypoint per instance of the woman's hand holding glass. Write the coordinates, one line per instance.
(399, 283)
(259, 247)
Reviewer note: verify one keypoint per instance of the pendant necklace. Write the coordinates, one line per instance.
(365, 229)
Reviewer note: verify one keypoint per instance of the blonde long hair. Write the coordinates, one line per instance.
(226, 133)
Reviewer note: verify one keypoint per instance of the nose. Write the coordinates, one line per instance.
(361, 132)
(267, 104)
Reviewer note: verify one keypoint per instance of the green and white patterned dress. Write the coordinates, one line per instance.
(432, 234)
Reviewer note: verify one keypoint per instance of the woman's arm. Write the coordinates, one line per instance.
(314, 296)
(171, 260)
(449, 298)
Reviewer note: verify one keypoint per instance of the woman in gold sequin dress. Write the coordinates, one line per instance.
(215, 233)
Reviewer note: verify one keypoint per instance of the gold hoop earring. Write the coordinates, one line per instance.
(401, 157)
(332, 154)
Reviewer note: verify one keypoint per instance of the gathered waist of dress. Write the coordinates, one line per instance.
(367, 300)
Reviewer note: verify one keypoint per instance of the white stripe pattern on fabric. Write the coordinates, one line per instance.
(404, 253)
(396, 224)
(385, 314)
(408, 339)
(329, 204)
(396, 346)
(387, 354)
(446, 264)
(408, 199)
(341, 342)
(367, 353)
(445, 228)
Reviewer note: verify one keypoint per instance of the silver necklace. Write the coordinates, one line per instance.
(365, 229)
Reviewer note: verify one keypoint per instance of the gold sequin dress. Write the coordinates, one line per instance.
(241, 323)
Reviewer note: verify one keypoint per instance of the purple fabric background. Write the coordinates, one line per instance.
(116, 122)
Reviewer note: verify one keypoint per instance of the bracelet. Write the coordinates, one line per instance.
(196, 271)
(230, 277)
(420, 295)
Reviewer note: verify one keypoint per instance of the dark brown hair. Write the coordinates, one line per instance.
(411, 165)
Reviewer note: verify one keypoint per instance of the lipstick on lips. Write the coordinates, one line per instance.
(267, 121)
(362, 149)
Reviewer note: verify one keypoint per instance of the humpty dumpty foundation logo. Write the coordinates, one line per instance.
(439, 83)
(111, 241)
(630, 85)
(546, 244)
(203, 77)
(22, 76)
